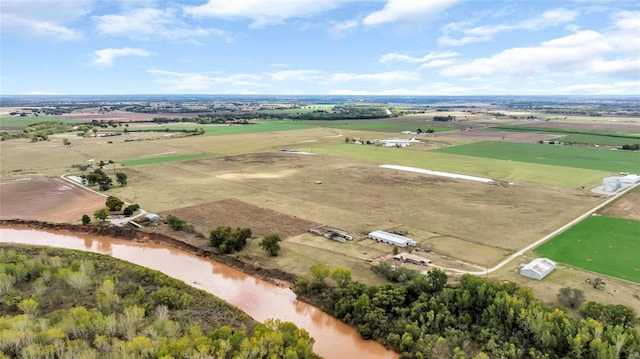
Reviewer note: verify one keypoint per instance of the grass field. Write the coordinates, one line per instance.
(376, 125)
(599, 140)
(220, 130)
(606, 245)
(586, 136)
(514, 171)
(21, 122)
(566, 156)
(154, 160)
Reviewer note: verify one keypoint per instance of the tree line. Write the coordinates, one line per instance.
(58, 303)
(421, 316)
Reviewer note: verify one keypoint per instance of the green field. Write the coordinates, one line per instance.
(566, 156)
(374, 125)
(154, 160)
(599, 140)
(606, 245)
(484, 167)
(220, 130)
(21, 122)
(585, 136)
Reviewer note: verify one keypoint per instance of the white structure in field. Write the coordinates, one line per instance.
(391, 238)
(538, 268)
(630, 179)
(612, 184)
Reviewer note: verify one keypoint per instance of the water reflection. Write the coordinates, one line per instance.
(260, 299)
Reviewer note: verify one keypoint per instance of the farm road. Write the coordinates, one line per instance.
(547, 237)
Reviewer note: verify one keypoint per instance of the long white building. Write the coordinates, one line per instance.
(391, 238)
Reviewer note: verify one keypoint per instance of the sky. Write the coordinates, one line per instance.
(320, 47)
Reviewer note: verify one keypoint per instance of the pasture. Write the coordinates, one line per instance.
(576, 135)
(601, 244)
(228, 129)
(498, 169)
(554, 155)
(10, 122)
(152, 159)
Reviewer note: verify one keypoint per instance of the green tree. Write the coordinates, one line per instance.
(341, 275)
(121, 178)
(271, 245)
(28, 306)
(320, 272)
(101, 214)
(437, 279)
(114, 203)
(86, 219)
(66, 142)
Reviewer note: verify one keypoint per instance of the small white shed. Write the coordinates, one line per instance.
(538, 268)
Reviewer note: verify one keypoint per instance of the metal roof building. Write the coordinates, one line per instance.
(538, 268)
(391, 238)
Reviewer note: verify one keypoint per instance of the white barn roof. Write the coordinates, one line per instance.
(391, 238)
(631, 179)
(538, 268)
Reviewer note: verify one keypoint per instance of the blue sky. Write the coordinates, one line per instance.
(350, 47)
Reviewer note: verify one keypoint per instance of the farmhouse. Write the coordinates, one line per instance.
(538, 268)
(391, 238)
(630, 179)
(411, 258)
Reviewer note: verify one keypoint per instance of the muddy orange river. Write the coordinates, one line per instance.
(260, 299)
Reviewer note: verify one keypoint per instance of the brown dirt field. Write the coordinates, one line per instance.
(478, 223)
(47, 199)
(481, 135)
(234, 213)
(626, 207)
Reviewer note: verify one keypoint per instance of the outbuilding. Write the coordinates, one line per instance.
(152, 217)
(630, 179)
(538, 268)
(392, 238)
(411, 258)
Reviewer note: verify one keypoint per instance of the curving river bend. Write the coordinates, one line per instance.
(260, 299)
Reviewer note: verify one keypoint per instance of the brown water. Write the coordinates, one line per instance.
(260, 299)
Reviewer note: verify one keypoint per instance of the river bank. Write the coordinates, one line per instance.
(276, 276)
(260, 299)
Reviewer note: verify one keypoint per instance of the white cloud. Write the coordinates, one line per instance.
(43, 18)
(295, 75)
(569, 54)
(105, 57)
(383, 78)
(340, 28)
(150, 23)
(487, 32)
(261, 12)
(395, 10)
(626, 31)
(190, 81)
(619, 88)
(396, 57)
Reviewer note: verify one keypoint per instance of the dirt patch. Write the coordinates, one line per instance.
(484, 135)
(47, 199)
(626, 207)
(233, 213)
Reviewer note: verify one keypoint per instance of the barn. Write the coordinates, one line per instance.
(538, 268)
(392, 238)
